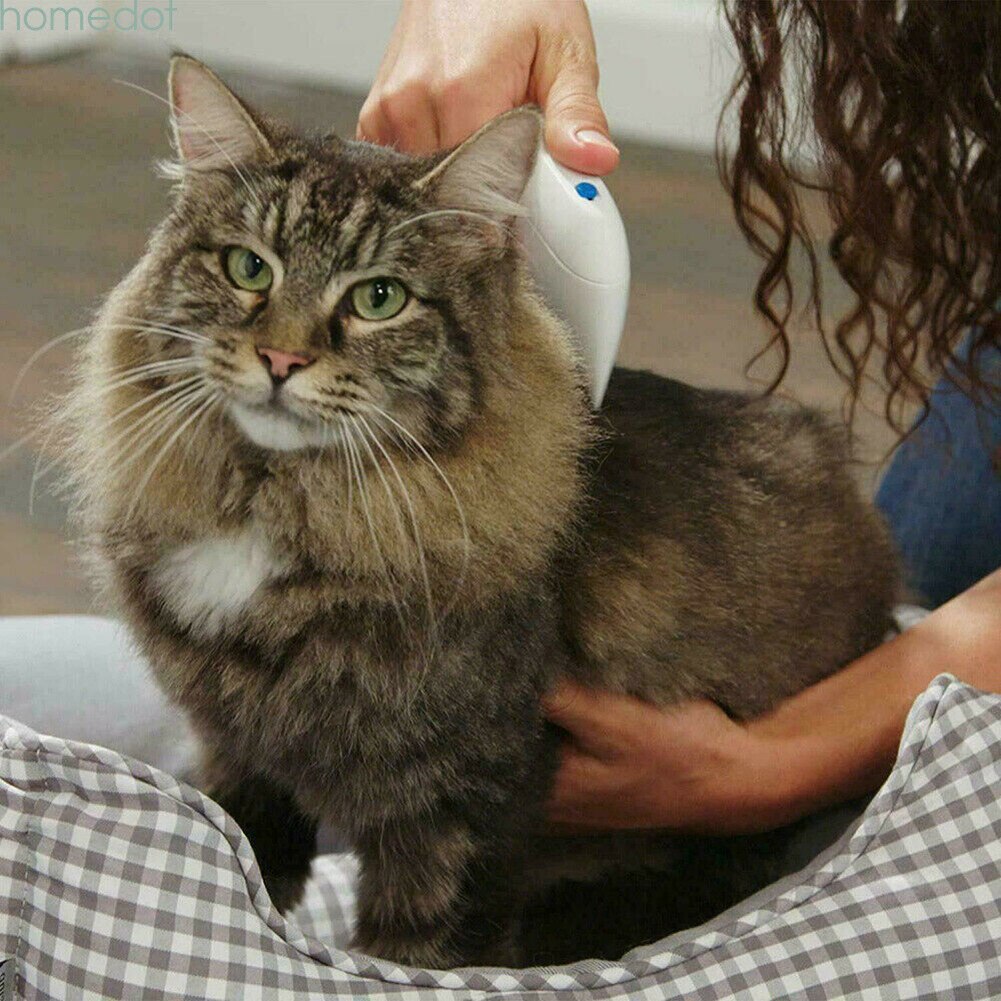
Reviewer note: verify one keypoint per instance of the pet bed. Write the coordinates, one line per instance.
(119, 882)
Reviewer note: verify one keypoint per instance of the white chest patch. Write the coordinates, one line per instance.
(207, 585)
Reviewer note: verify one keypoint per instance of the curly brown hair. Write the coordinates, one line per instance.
(896, 107)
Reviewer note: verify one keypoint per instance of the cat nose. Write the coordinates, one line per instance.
(281, 363)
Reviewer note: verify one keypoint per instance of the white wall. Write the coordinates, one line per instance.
(665, 64)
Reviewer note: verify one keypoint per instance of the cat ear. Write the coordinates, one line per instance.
(488, 172)
(212, 127)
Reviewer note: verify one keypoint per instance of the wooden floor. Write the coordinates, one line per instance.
(78, 196)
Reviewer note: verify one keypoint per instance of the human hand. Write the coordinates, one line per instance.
(691, 769)
(452, 65)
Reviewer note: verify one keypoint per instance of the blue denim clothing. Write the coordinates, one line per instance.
(942, 493)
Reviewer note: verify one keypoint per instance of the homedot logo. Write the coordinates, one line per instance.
(130, 15)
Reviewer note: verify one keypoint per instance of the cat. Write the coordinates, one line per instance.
(335, 465)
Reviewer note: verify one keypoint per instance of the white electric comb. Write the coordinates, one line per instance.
(576, 245)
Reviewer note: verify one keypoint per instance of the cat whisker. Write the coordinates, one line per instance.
(126, 374)
(153, 324)
(382, 476)
(332, 438)
(155, 422)
(363, 498)
(37, 472)
(442, 212)
(342, 447)
(132, 376)
(196, 402)
(178, 335)
(184, 392)
(49, 345)
(164, 364)
(18, 444)
(448, 486)
(401, 528)
(174, 387)
(43, 350)
(199, 412)
(198, 427)
(155, 433)
(426, 579)
(35, 477)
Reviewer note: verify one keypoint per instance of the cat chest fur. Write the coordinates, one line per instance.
(207, 585)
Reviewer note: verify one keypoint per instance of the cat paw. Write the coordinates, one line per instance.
(428, 955)
(285, 891)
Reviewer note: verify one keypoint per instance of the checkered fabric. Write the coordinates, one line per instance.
(118, 882)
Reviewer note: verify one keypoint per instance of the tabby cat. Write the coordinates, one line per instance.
(336, 467)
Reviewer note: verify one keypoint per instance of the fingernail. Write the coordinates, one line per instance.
(592, 137)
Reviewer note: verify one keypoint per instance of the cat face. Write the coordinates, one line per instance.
(308, 286)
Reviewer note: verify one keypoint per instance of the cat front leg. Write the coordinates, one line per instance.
(282, 836)
(435, 894)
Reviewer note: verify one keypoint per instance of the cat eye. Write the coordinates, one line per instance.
(248, 271)
(378, 298)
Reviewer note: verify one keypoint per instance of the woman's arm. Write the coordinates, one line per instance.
(628, 765)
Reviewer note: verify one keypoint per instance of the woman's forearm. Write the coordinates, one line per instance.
(838, 739)
(693, 769)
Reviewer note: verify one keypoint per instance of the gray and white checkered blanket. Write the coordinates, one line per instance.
(118, 882)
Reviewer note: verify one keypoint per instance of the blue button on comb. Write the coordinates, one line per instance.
(586, 190)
